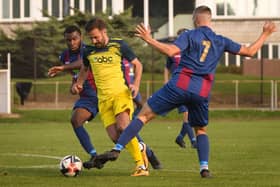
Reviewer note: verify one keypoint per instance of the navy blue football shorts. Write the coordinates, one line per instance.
(88, 103)
(170, 97)
(182, 109)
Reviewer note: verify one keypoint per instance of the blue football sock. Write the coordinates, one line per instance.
(84, 139)
(132, 130)
(203, 150)
(189, 131)
(186, 129)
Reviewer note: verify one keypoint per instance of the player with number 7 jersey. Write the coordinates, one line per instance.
(190, 85)
(201, 50)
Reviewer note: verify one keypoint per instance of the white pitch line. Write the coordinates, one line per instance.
(31, 167)
(32, 155)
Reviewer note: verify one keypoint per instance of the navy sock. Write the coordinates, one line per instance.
(148, 150)
(84, 139)
(183, 131)
(203, 150)
(132, 130)
(189, 131)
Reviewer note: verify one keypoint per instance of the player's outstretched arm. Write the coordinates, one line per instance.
(165, 75)
(53, 71)
(268, 28)
(145, 34)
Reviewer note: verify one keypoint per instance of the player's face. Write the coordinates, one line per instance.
(98, 37)
(73, 40)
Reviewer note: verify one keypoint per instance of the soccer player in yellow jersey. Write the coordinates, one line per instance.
(115, 102)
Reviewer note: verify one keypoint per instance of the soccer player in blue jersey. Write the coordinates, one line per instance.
(170, 66)
(191, 82)
(85, 108)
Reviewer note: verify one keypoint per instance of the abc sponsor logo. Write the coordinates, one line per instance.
(103, 59)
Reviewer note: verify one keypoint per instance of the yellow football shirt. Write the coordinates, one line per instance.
(107, 68)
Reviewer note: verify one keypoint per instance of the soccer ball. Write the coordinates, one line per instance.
(70, 166)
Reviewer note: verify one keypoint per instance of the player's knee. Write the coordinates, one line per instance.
(200, 130)
(76, 122)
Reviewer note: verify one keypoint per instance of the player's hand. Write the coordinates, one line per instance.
(76, 88)
(269, 27)
(53, 71)
(134, 90)
(143, 32)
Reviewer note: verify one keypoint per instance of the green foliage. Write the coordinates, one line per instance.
(36, 50)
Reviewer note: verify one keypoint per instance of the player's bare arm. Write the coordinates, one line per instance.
(53, 71)
(138, 69)
(145, 34)
(77, 87)
(166, 75)
(268, 28)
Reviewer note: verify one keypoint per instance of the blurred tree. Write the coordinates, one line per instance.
(35, 50)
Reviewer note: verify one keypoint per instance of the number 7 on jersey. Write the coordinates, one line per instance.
(207, 45)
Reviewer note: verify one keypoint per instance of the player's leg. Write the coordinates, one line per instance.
(185, 130)
(128, 134)
(150, 154)
(133, 147)
(152, 158)
(159, 103)
(203, 151)
(198, 116)
(79, 117)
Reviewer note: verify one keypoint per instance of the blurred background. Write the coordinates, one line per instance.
(31, 37)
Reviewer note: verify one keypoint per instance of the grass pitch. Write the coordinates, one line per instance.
(242, 152)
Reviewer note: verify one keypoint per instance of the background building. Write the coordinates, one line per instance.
(240, 20)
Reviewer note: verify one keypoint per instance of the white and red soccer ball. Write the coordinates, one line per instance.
(70, 166)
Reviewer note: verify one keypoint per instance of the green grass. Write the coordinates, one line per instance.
(245, 148)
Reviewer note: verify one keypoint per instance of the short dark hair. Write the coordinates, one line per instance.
(72, 28)
(202, 9)
(95, 23)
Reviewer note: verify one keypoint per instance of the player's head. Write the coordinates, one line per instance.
(97, 32)
(73, 37)
(180, 31)
(202, 16)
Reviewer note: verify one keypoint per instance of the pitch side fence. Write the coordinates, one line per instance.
(226, 94)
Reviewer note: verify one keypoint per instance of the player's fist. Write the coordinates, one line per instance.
(76, 88)
(54, 70)
(269, 27)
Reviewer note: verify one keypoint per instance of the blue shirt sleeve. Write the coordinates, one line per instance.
(182, 41)
(127, 52)
(85, 55)
(231, 46)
